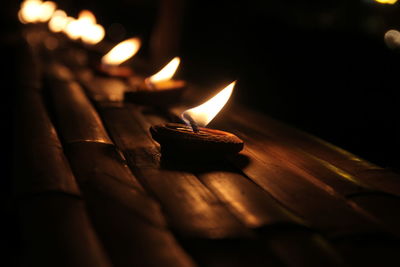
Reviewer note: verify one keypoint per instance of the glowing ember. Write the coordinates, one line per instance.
(203, 114)
(121, 52)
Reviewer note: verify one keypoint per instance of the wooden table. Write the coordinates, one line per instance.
(93, 190)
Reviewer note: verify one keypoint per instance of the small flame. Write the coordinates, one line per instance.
(94, 35)
(73, 29)
(47, 10)
(32, 11)
(204, 113)
(390, 2)
(121, 52)
(58, 21)
(90, 32)
(87, 17)
(84, 28)
(167, 72)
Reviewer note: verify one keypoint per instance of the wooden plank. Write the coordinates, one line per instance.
(76, 117)
(251, 204)
(102, 89)
(231, 252)
(324, 211)
(102, 166)
(284, 233)
(317, 171)
(128, 221)
(366, 172)
(296, 247)
(192, 210)
(39, 162)
(321, 173)
(56, 231)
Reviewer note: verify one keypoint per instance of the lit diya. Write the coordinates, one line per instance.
(159, 89)
(111, 62)
(193, 140)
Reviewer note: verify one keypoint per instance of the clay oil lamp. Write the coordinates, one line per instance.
(159, 89)
(111, 62)
(193, 140)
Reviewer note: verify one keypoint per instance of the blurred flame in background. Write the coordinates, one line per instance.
(167, 72)
(33, 11)
(84, 27)
(390, 2)
(58, 21)
(121, 52)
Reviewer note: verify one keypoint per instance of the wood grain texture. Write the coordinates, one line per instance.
(286, 235)
(366, 172)
(191, 209)
(319, 172)
(323, 211)
(75, 116)
(131, 236)
(39, 161)
(128, 221)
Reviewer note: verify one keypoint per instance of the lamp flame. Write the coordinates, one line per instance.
(73, 29)
(121, 52)
(204, 113)
(58, 21)
(32, 11)
(167, 72)
(389, 2)
(85, 28)
(94, 35)
(87, 17)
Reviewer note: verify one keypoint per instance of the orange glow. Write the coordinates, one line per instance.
(87, 17)
(73, 29)
(121, 52)
(58, 21)
(204, 113)
(167, 72)
(32, 11)
(47, 10)
(94, 35)
(84, 28)
(90, 32)
(389, 2)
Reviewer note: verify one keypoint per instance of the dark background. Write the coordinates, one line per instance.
(321, 66)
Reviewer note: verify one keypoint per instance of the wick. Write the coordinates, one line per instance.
(193, 124)
(150, 84)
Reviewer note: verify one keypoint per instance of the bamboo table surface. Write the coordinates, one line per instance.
(94, 190)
